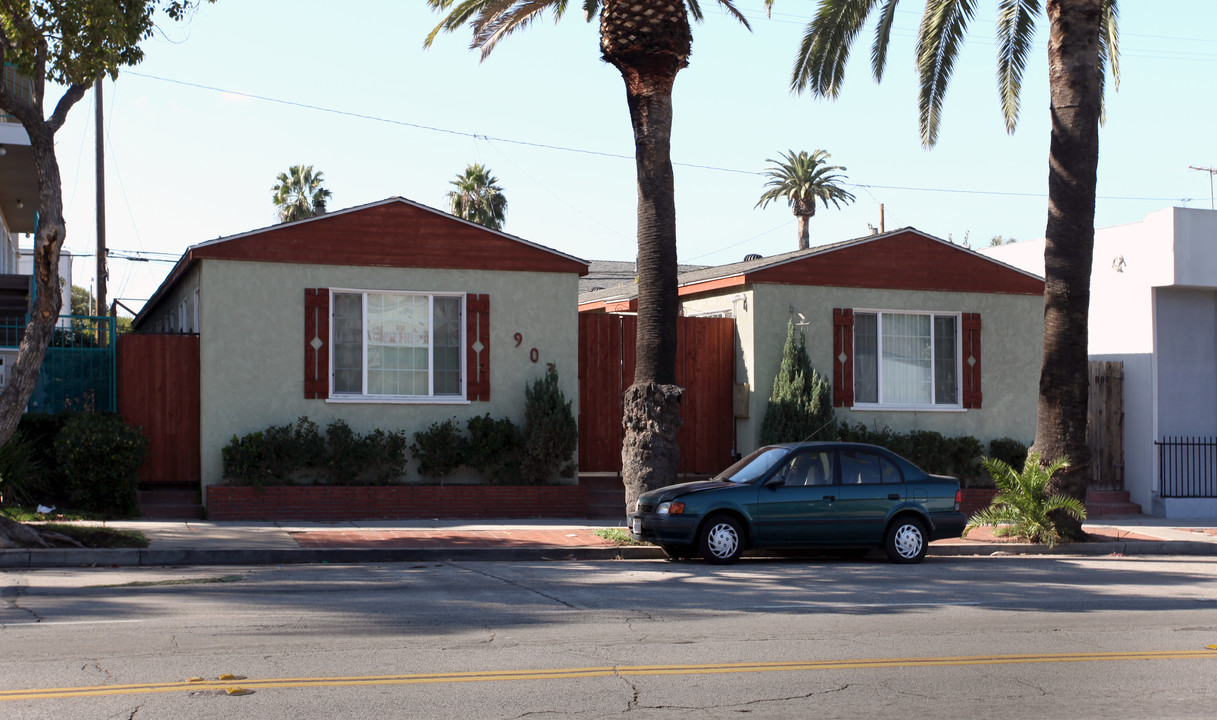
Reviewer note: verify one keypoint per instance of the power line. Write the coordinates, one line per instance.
(598, 153)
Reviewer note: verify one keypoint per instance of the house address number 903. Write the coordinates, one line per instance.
(533, 354)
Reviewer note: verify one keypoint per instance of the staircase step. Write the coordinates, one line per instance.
(1094, 510)
(168, 497)
(1107, 496)
(172, 511)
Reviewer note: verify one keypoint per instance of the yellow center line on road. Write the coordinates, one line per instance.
(606, 671)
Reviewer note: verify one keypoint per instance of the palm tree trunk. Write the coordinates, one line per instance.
(804, 232)
(1073, 51)
(649, 43)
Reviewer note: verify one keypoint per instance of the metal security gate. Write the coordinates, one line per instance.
(78, 370)
(1187, 467)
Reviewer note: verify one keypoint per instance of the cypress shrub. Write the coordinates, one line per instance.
(551, 433)
(800, 407)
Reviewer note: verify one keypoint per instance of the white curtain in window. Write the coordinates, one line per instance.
(907, 360)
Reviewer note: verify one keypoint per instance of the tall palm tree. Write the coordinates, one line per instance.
(801, 179)
(648, 43)
(477, 198)
(1082, 44)
(299, 195)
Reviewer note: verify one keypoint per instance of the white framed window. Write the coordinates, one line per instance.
(907, 360)
(397, 345)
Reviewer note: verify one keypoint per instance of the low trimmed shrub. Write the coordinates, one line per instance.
(931, 451)
(495, 448)
(276, 455)
(100, 457)
(439, 449)
(1010, 451)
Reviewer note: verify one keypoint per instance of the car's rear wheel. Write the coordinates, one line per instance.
(721, 540)
(678, 552)
(905, 541)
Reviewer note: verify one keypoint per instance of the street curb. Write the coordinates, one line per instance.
(135, 557)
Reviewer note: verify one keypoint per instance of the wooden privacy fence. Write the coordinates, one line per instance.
(705, 367)
(1105, 425)
(158, 390)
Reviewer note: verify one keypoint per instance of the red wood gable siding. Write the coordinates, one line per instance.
(906, 261)
(394, 234)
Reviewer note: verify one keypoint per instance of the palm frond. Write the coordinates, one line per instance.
(938, 43)
(729, 6)
(506, 17)
(824, 50)
(1015, 32)
(883, 36)
(1022, 502)
(459, 15)
(1109, 53)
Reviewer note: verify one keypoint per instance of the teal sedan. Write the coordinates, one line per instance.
(810, 495)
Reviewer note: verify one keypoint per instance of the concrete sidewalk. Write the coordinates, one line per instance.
(259, 543)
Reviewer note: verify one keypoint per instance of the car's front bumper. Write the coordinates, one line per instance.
(663, 529)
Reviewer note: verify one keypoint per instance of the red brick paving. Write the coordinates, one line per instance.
(506, 538)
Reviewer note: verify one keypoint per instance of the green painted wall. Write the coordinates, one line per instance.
(1012, 328)
(252, 340)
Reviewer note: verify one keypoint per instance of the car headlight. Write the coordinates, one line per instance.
(670, 508)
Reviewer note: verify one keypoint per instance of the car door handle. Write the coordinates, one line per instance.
(830, 498)
(893, 496)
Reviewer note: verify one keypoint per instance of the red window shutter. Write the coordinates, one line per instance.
(477, 338)
(842, 357)
(316, 343)
(971, 360)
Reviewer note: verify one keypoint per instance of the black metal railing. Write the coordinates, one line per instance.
(1187, 467)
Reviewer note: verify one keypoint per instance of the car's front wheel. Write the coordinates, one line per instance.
(905, 541)
(721, 540)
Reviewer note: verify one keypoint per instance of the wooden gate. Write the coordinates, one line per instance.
(158, 390)
(1105, 425)
(705, 367)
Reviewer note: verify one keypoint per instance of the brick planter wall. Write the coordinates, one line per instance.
(973, 499)
(394, 502)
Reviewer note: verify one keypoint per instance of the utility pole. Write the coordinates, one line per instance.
(101, 202)
(1211, 172)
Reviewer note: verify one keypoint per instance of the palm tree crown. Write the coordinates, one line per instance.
(800, 179)
(1082, 46)
(299, 195)
(477, 198)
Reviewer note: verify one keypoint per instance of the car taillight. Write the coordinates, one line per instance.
(958, 499)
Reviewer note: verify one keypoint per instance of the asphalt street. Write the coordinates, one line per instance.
(959, 637)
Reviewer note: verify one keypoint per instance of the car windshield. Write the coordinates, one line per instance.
(753, 465)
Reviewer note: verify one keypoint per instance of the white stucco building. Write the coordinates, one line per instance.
(1153, 306)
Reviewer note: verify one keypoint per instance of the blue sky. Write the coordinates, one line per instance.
(196, 134)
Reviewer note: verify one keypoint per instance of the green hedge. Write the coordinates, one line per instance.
(100, 457)
(276, 455)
